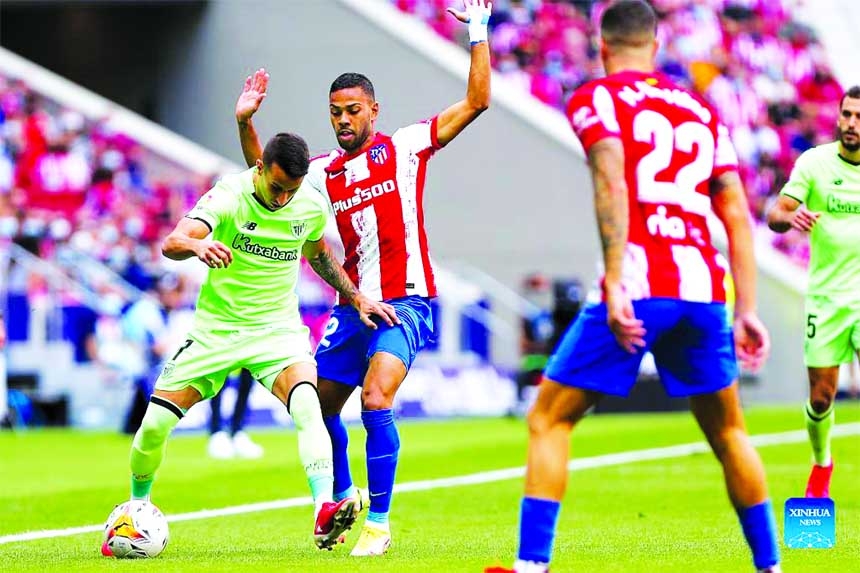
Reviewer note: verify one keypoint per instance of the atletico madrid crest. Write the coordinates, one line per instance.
(379, 154)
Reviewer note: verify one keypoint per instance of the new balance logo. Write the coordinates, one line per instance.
(250, 225)
(837, 181)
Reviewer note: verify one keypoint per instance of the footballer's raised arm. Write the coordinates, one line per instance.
(453, 120)
(247, 105)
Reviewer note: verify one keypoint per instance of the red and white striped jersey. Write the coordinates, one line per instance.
(674, 145)
(377, 200)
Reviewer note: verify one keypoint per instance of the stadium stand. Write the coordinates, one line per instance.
(83, 208)
(766, 73)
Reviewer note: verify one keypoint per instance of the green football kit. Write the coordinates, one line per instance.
(247, 314)
(830, 185)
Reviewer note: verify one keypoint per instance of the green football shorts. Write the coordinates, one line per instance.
(206, 357)
(832, 331)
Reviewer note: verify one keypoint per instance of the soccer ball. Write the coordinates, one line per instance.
(135, 529)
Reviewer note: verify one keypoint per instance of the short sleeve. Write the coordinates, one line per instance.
(215, 206)
(418, 136)
(320, 224)
(591, 112)
(799, 183)
(725, 156)
(316, 175)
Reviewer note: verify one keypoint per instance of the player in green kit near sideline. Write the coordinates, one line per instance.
(822, 198)
(251, 230)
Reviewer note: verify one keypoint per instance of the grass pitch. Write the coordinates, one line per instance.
(653, 516)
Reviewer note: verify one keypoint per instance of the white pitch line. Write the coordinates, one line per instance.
(578, 464)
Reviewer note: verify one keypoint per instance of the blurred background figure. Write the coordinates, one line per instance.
(235, 443)
(536, 332)
(145, 324)
(554, 305)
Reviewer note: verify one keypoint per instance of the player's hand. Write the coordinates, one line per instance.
(214, 254)
(803, 219)
(477, 16)
(367, 307)
(475, 11)
(252, 95)
(628, 330)
(752, 341)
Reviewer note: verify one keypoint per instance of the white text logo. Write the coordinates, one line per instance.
(362, 195)
(660, 224)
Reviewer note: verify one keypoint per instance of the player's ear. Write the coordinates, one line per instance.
(374, 110)
(259, 165)
(655, 48)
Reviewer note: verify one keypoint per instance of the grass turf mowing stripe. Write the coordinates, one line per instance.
(578, 464)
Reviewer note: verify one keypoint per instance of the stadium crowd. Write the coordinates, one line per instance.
(73, 190)
(767, 74)
(72, 187)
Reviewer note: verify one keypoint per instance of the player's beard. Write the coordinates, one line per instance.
(851, 146)
(359, 138)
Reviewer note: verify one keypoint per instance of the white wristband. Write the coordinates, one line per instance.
(477, 32)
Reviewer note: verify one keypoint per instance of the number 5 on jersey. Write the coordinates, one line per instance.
(810, 325)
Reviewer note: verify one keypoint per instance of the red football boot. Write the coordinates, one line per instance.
(333, 519)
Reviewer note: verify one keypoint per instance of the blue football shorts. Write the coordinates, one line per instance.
(692, 344)
(347, 344)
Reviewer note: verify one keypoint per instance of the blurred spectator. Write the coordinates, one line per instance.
(766, 74)
(144, 324)
(535, 336)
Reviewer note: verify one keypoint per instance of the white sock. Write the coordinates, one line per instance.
(314, 441)
(521, 566)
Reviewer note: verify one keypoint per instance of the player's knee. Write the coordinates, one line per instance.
(152, 429)
(540, 422)
(727, 439)
(820, 402)
(375, 398)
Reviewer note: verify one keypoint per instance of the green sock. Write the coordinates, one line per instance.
(314, 441)
(147, 449)
(819, 426)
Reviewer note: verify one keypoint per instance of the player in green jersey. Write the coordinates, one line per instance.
(822, 198)
(251, 230)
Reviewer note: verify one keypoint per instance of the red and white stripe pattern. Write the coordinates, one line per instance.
(377, 200)
(674, 145)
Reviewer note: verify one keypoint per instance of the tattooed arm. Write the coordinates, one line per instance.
(610, 204)
(606, 158)
(323, 262)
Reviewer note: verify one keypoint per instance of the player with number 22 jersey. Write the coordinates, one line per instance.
(660, 162)
(674, 145)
